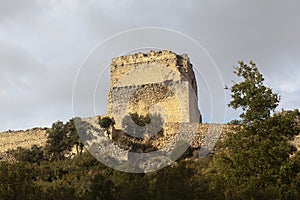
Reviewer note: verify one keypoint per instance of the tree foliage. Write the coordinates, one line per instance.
(142, 126)
(16, 182)
(250, 160)
(140, 120)
(33, 155)
(251, 95)
(106, 123)
(61, 138)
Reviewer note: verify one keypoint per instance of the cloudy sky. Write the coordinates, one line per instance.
(43, 44)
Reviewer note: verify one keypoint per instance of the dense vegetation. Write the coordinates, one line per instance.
(255, 161)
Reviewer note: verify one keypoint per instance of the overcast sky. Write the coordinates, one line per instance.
(43, 44)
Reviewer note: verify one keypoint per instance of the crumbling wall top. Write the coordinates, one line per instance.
(139, 58)
(123, 64)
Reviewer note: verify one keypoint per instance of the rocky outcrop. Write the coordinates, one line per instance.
(10, 140)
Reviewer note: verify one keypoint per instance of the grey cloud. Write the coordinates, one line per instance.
(10, 9)
(43, 43)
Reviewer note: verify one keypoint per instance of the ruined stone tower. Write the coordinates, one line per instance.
(159, 82)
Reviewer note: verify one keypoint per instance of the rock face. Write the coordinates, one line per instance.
(12, 139)
(161, 83)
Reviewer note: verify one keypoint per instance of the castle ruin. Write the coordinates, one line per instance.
(159, 82)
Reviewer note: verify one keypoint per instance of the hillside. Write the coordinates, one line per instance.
(22, 138)
(38, 136)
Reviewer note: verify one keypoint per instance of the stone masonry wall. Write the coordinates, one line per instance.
(157, 82)
(13, 139)
(124, 64)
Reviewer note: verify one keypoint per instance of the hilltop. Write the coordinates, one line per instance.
(22, 138)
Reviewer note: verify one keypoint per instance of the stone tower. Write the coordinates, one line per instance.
(159, 82)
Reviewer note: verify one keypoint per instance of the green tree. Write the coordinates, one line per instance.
(174, 182)
(290, 178)
(16, 182)
(256, 100)
(106, 123)
(73, 138)
(249, 161)
(55, 141)
(143, 125)
(100, 188)
(140, 120)
(61, 138)
(33, 155)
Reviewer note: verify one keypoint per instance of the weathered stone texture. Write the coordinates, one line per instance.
(157, 82)
(123, 64)
(12, 139)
